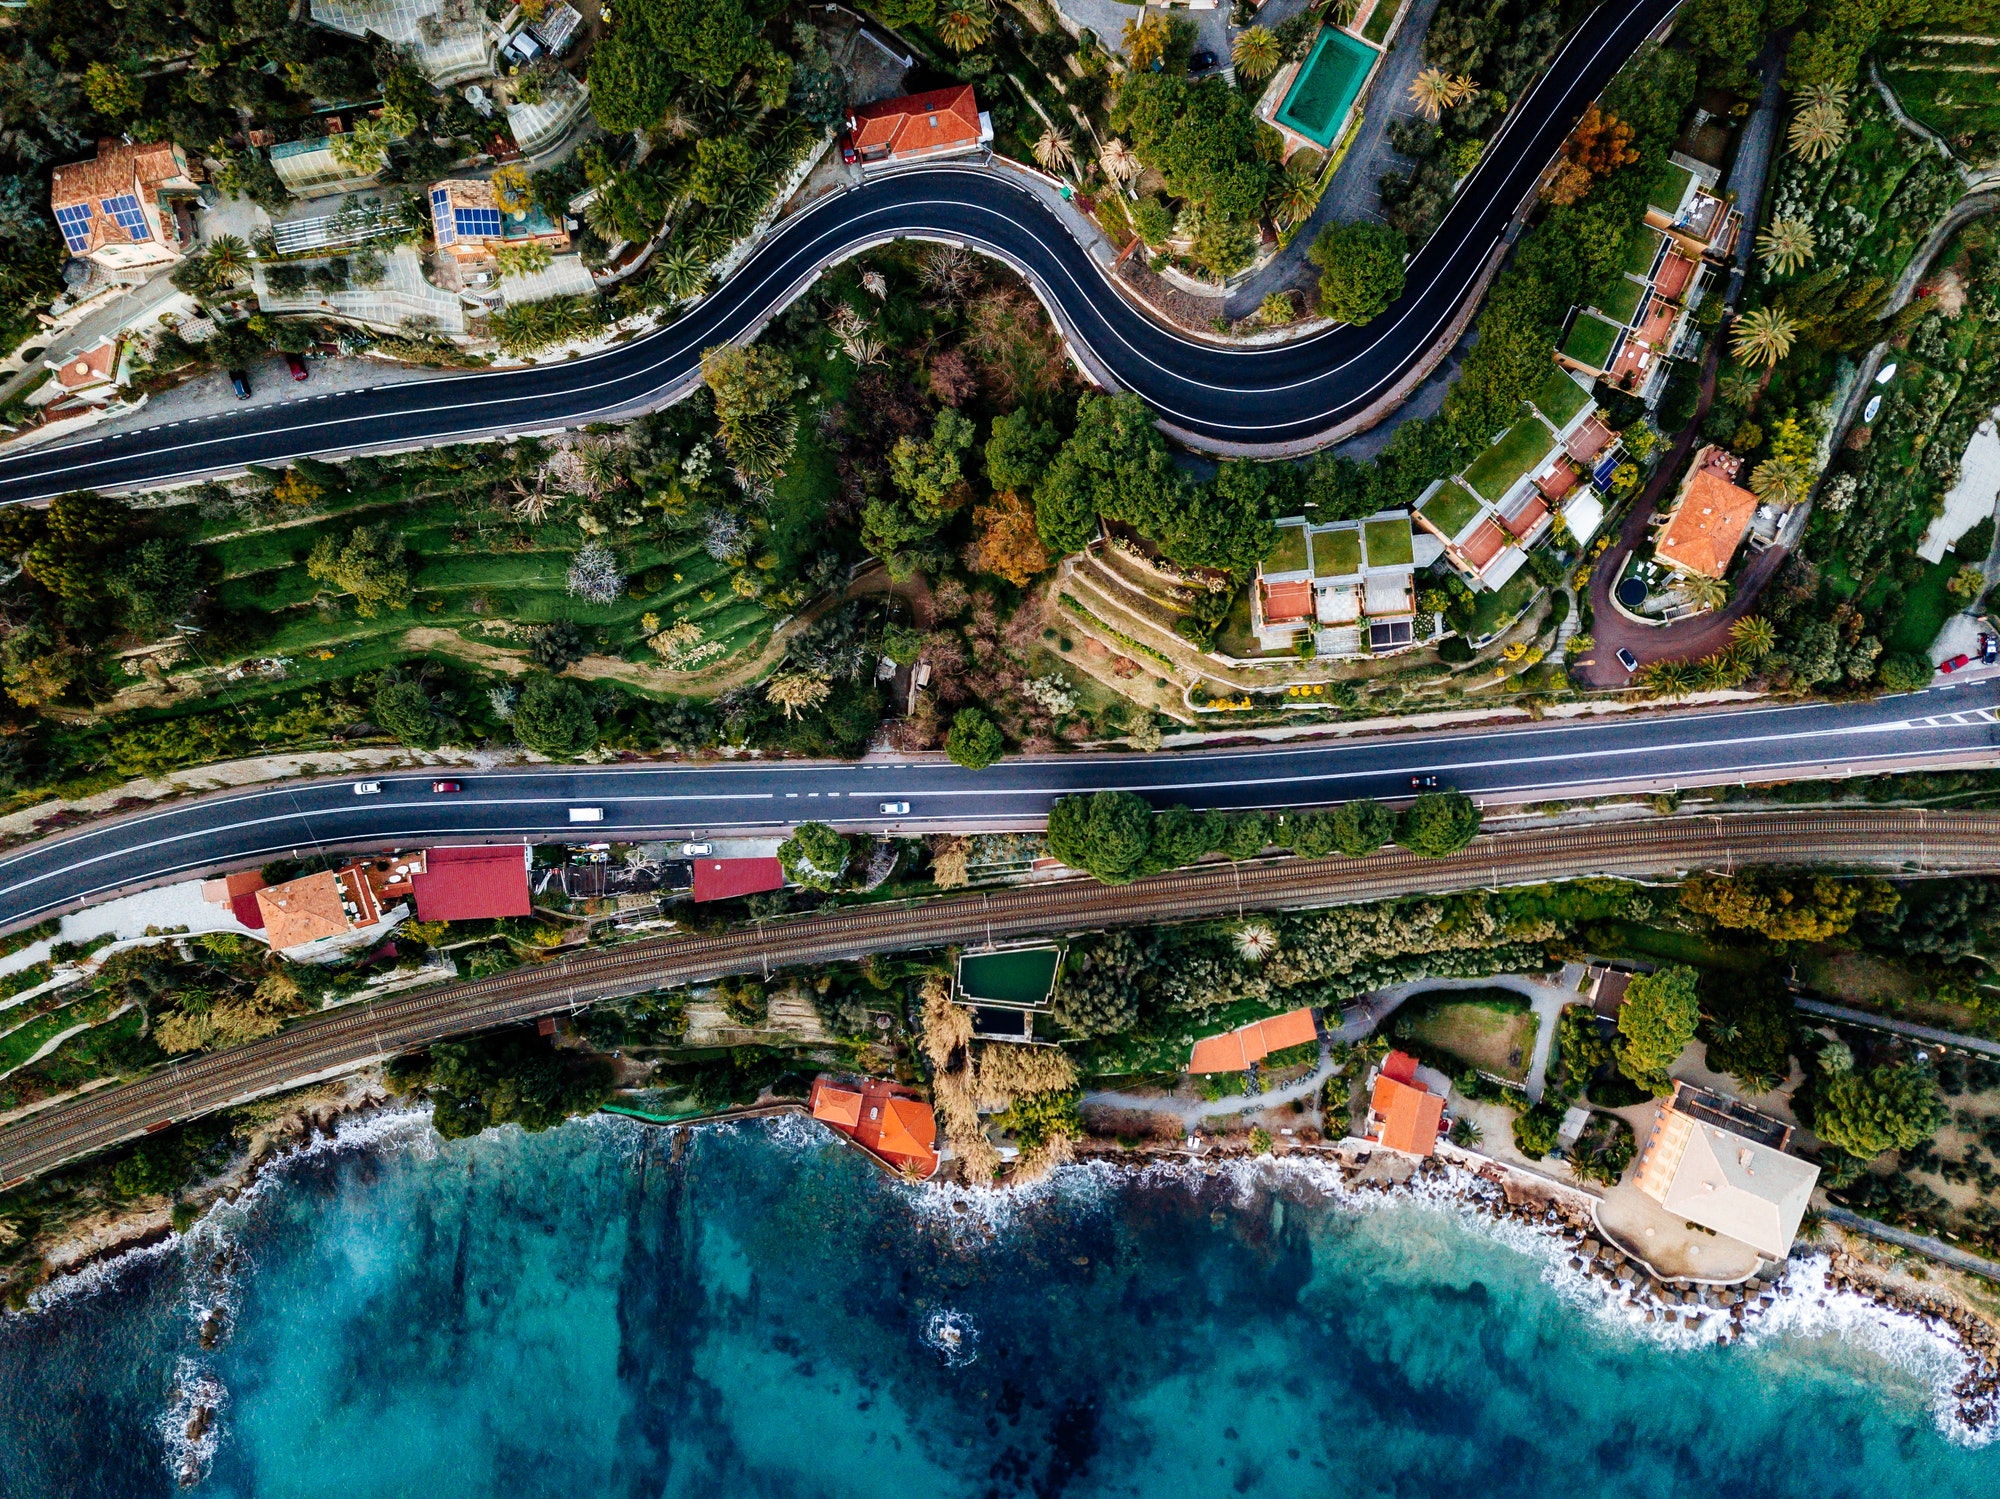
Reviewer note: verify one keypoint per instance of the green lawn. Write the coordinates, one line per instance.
(1450, 510)
(1289, 555)
(1560, 398)
(1336, 554)
(1491, 1029)
(1618, 299)
(1640, 250)
(1926, 606)
(1497, 470)
(1380, 21)
(1591, 340)
(1389, 543)
(1670, 187)
(1493, 608)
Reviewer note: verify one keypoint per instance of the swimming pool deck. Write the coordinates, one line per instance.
(1309, 121)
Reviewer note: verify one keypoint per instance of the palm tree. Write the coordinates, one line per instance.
(676, 123)
(1764, 336)
(1256, 53)
(1120, 161)
(1343, 12)
(964, 25)
(1719, 673)
(1704, 592)
(1753, 637)
(1812, 1226)
(680, 271)
(1668, 678)
(1787, 245)
(1296, 197)
(1053, 150)
(1817, 130)
(1466, 1133)
(1739, 386)
(1833, 95)
(1432, 92)
(1780, 481)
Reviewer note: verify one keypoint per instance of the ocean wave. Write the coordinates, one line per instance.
(1804, 1305)
(190, 1428)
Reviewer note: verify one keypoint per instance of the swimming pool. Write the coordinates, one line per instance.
(1316, 106)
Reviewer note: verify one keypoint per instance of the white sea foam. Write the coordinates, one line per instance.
(190, 1428)
(953, 1336)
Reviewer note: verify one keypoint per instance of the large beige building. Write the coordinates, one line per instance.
(1716, 1162)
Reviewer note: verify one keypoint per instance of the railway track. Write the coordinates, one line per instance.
(1899, 841)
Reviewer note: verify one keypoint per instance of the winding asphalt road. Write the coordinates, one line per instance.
(1286, 394)
(1950, 725)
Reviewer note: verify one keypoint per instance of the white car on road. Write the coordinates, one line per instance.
(367, 788)
(895, 809)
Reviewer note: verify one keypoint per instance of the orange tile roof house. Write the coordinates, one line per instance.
(888, 1121)
(1709, 517)
(1403, 1114)
(943, 122)
(94, 375)
(111, 209)
(1232, 1051)
(316, 907)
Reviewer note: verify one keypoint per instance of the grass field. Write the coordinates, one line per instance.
(1389, 543)
(1501, 466)
(1640, 250)
(1618, 298)
(1493, 608)
(1560, 398)
(1669, 188)
(1451, 509)
(1289, 555)
(1379, 21)
(1591, 340)
(1336, 554)
(1490, 1029)
(1926, 606)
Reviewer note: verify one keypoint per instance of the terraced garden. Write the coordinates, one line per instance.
(1946, 81)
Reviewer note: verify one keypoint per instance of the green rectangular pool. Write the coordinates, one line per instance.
(1316, 106)
(1015, 976)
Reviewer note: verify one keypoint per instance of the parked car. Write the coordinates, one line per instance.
(1423, 783)
(1627, 660)
(297, 366)
(697, 850)
(1200, 63)
(241, 382)
(847, 152)
(443, 787)
(367, 788)
(1989, 649)
(895, 809)
(1961, 659)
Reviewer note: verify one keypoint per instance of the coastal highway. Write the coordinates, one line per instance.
(337, 1041)
(1263, 397)
(1546, 761)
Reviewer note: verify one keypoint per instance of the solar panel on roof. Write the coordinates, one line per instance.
(441, 217)
(75, 225)
(477, 223)
(131, 218)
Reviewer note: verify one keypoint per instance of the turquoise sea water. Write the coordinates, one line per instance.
(597, 1312)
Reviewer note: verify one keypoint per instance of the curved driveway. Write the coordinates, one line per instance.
(1958, 725)
(1289, 393)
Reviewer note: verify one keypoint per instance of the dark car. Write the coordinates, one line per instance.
(1627, 660)
(444, 786)
(1989, 649)
(1423, 783)
(297, 366)
(1961, 659)
(241, 382)
(1201, 62)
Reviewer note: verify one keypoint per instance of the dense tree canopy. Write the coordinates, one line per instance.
(552, 716)
(1658, 1020)
(511, 1078)
(1360, 269)
(814, 856)
(1204, 137)
(975, 740)
(1438, 824)
(1885, 1108)
(1108, 834)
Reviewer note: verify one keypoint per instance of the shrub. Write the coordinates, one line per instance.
(975, 740)
(1439, 824)
(814, 856)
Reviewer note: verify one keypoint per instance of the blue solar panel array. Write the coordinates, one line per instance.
(477, 223)
(75, 223)
(131, 218)
(441, 219)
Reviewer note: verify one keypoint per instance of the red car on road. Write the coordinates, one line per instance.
(445, 786)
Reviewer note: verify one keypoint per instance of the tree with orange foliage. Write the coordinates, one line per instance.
(1006, 541)
(1599, 146)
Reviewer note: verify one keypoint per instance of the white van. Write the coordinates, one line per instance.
(586, 814)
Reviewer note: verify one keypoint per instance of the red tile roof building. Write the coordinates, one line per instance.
(1709, 518)
(888, 1121)
(1403, 1114)
(724, 879)
(470, 884)
(1235, 1050)
(109, 209)
(942, 122)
